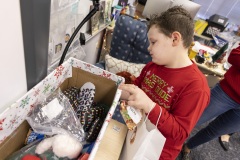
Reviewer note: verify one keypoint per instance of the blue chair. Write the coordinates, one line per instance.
(129, 41)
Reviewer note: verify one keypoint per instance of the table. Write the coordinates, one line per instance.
(218, 71)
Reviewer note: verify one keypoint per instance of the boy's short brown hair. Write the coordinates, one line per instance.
(175, 19)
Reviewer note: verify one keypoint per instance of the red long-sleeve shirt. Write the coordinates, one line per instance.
(183, 94)
(231, 82)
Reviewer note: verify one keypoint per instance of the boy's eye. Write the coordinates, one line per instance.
(153, 42)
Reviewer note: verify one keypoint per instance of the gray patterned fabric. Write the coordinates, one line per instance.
(129, 41)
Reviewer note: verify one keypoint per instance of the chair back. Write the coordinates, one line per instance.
(130, 41)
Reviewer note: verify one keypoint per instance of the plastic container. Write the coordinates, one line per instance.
(192, 54)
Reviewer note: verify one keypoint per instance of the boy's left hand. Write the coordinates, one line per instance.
(137, 98)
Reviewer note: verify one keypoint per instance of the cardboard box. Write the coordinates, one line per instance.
(200, 26)
(112, 142)
(73, 72)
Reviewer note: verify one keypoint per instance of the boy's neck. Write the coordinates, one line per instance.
(181, 60)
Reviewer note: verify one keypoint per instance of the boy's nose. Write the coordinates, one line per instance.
(149, 48)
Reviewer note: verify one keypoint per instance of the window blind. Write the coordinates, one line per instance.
(229, 9)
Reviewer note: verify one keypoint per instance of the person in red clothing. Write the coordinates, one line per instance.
(224, 108)
(171, 82)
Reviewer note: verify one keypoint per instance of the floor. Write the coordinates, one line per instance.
(213, 151)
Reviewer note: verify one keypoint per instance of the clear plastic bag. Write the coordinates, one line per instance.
(55, 115)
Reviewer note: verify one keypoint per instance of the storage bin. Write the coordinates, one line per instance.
(212, 28)
(73, 72)
(221, 20)
(192, 54)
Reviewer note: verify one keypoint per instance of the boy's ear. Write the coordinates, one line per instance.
(176, 38)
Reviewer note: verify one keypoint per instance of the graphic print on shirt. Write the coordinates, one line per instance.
(158, 89)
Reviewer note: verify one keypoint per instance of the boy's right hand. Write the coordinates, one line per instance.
(137, 97)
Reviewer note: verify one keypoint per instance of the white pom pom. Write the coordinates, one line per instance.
(44, 145)
(66, 146)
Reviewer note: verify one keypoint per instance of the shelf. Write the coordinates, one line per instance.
(203, 37)
(88, 35)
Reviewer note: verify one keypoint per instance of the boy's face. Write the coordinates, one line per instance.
(160, 47)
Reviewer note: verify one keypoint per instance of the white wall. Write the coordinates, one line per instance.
(92, 48)
(12, 66)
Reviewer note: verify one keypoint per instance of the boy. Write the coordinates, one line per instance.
(171, 82)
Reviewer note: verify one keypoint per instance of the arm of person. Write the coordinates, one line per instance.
(177, 124)
(234, 57)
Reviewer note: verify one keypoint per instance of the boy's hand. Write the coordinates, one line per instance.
(137, 97)
(124, 95)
